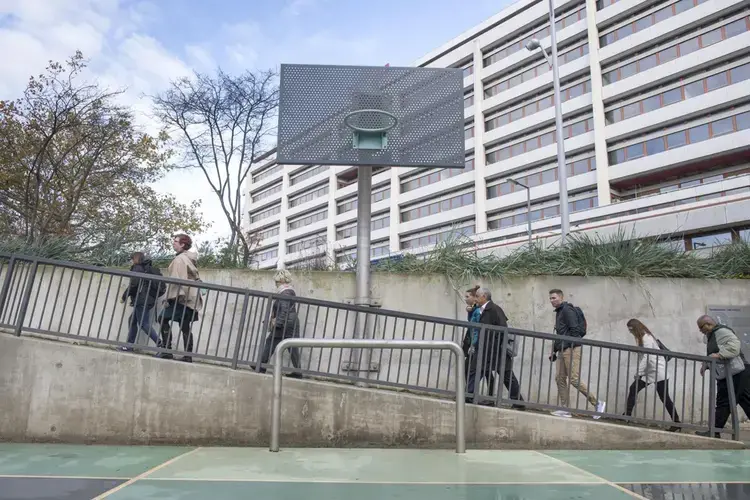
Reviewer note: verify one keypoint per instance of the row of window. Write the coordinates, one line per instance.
(351, 203)
(451, 233)
(601, 4)
(469, 101)
(375, 224)
(268, 233)
(538, 70)
(538, 105)
(679, 50)
(469, 132)
(682, 138)
(468, 70)
(308, 173)
(308, 219)
(564, 21)
(647, 21)
(694, 89)
(436, 176)
(265, 214)
(313, 241)
(544, 177)
(539, 141)
(437, 207)
(266, 192)
(308, 196)
(380, 249)
(642, 192)
(542, 213)
(265, 174)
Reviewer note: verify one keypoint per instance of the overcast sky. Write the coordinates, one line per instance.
(142, 45)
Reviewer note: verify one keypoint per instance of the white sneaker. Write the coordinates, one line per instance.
(600, 407)
(562, 414)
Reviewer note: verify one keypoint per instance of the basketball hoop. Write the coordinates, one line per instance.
(370, 121)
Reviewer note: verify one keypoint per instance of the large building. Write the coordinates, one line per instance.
(656, 104)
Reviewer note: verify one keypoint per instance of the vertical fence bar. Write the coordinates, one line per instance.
(712, 400)
(733, 404)
(241, 327)
(26, 298)
(6, 285)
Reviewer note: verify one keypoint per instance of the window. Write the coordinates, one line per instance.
(634, 151)
(268, 233)
(698, 134)
(469, 101)
(721, 127)
(694, 89)
(740, 73)
(314, 241)
(269, 212)
(307, 173)
(710, 241)
(434, 236)
(676, 140)
(266, 173)
(268, 255)
(266, 193)
(469, 132)
(655, 146)
(468, 70)
(743, 121)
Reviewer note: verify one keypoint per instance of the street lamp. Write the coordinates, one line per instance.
(562, 173)
(528, 205)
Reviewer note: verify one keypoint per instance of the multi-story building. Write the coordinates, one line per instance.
(656, 104)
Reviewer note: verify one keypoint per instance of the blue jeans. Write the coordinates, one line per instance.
(141, 317)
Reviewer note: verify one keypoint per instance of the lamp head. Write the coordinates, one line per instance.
(533, 45)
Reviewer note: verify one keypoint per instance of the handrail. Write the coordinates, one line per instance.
(372, 344)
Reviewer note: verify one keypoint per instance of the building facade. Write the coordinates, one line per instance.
(656, 105)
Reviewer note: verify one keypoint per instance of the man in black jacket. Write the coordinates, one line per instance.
(142, 294)
(568, 355)
(493, 315)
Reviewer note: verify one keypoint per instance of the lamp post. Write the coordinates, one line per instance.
(528, 205)
(562, 173)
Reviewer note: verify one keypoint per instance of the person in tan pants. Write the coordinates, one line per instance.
(570, 323)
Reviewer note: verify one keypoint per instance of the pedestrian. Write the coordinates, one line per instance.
(470, 343)
(492, 315)
(284, 323)
(569, 322)
(724, 345)
(183, 303)
(142, 294)
(652, 369)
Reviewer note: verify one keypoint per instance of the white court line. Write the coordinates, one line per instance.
(145, 474)
(32, 476)
(354, 481)
(610, 483)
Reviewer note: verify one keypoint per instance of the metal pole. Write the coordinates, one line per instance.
(364, 217)
(562, 173)
(370, 344)
(528, 205)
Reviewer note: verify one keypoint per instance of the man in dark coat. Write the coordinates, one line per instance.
(493, 316)
(142, 294)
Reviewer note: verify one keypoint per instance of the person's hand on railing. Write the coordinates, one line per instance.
(703, 369)
(472, 350)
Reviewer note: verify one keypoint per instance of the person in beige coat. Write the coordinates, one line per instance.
(183, 303)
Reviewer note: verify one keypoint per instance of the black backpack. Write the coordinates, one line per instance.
(581, 319)
(162, 286)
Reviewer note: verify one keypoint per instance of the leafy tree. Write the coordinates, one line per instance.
(74, 166)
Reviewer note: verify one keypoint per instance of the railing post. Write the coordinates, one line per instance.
(240, 330)
(478, 364)
(369, 344)
(733, 404)
(501, 369)
(6, 284)
(264, 333)
(26, 297)
(712, 399)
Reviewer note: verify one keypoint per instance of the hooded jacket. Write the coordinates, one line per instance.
(184, 267)
(142, 291)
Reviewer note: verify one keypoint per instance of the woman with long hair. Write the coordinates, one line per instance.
(652, 369)
(142, 294)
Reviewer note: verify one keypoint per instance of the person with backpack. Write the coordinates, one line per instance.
(142, 294)
(183, 303)
(724, 345)
(569, 322)
(652, 369)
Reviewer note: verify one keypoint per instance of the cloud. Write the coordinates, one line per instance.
(297, 7)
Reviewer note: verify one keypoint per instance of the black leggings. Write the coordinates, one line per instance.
(661, 389)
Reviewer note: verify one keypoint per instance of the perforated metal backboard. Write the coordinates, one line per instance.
(427, 102)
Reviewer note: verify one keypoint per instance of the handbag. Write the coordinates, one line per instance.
(664, 348)
(734, 366)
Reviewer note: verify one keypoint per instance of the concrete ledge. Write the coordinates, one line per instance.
(57, 392)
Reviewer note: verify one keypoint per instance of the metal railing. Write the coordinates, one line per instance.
(370, 344)
(237, 327)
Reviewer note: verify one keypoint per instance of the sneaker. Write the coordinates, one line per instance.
(562, 414)
(187, 359)
(600, 407)
(126, 349)
(165, 355)
(706, 434)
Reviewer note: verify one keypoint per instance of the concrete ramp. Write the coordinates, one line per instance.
(58, 392)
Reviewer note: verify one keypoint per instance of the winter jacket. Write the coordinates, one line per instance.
(651, 368)
(567, 324)
(142, 291)
(183, 267)
(284, 312)
(471, 337)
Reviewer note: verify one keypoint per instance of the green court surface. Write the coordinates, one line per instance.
(70, 472)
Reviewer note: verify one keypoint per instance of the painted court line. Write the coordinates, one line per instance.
(31, 476)
(610, 483)
(145, 474)
(369, 482)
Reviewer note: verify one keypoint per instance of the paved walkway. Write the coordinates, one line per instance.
(68, 472)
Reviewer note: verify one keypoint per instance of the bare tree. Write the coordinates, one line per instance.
(221, 123)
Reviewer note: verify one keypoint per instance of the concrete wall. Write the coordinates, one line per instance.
(80, 303)
(53, 391)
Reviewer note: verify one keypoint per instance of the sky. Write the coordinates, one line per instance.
(143, 45)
